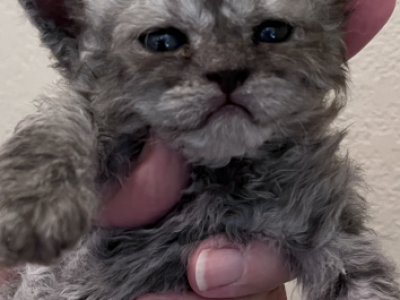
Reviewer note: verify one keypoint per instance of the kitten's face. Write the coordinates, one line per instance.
(217, 78)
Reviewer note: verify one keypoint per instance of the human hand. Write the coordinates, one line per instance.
(219, 269)
(277, 294)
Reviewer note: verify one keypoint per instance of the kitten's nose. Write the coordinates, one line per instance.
(228, 80)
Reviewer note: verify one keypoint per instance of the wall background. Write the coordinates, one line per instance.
(373, 112)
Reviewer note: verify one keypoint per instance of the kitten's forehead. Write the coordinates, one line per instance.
(201, 13)
(275, 8)
(228, 8)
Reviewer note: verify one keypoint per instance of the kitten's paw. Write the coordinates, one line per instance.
(46, 205)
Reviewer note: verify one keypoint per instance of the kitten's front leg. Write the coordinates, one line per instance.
(47, 183)
(351, 267)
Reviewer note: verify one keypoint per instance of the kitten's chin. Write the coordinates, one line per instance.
(219, 141)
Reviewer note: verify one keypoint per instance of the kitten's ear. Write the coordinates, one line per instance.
(60, 23)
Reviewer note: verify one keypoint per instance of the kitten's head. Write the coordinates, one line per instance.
(215, 78)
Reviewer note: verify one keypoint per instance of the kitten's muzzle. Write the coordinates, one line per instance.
(228, 105)
(229, 81)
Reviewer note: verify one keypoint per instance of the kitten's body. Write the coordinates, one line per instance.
(270, 172)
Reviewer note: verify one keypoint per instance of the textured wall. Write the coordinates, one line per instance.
(373, 113)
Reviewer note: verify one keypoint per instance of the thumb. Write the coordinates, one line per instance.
(219, 269)
(150, 191)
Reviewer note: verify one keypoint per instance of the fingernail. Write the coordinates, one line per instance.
(217, 268)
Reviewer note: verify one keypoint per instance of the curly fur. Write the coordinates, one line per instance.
(275, 174)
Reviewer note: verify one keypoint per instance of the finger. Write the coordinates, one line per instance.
(152, 189)
(219, 269)
(277, 294)
(367, 19)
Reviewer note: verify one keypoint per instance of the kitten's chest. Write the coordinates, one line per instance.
(275, 199)
(226, 200)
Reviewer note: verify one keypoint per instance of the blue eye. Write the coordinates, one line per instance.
(272, 32)
(163, 40)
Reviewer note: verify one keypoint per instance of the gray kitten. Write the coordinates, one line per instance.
(246, 90)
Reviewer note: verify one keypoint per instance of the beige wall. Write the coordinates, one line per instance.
(373, 111)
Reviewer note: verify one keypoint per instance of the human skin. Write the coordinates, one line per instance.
(154, 187)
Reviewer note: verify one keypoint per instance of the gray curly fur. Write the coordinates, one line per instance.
(274, 175)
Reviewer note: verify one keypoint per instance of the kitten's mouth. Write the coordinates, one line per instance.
(228, 109)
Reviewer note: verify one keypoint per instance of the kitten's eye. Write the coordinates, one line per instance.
(272, 32)
(164, 40)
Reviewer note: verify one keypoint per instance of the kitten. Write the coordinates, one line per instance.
(246, 90)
